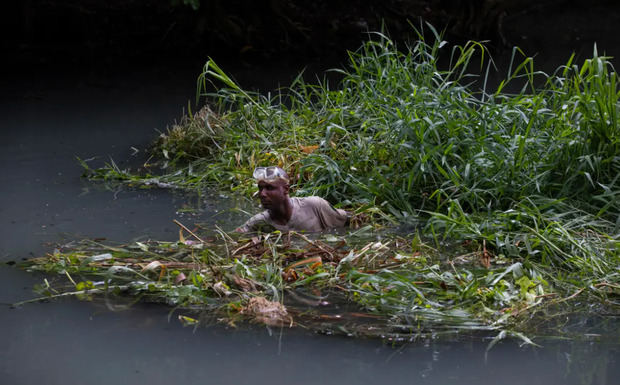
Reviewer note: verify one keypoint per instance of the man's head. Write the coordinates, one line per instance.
(273, 186)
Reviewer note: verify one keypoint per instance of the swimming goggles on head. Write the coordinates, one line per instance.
(269, 173)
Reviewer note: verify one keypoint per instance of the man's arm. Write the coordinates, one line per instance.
(252, 224)
(329, 216)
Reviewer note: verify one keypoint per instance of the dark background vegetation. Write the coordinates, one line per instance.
(87, 34)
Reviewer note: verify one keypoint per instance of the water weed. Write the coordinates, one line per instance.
(529, 178)
(394, 287)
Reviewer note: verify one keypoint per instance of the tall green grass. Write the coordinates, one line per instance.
(531, 175)
(400, 132)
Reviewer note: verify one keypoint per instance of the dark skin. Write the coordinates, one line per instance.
(274, 197)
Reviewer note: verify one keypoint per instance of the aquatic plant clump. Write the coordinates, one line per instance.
(401, 134)
(531, 177)
(398, 289)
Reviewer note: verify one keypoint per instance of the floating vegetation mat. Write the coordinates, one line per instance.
(522, 181)
(393, 287)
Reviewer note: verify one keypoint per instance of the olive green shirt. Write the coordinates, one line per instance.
(310, 214)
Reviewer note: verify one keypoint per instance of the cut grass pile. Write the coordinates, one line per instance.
(528, 180)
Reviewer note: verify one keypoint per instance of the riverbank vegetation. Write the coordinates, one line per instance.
(509, 196)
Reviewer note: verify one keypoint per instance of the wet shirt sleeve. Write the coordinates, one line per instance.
(328, 216)
(257, 222)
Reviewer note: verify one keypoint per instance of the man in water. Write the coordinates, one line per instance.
(310, 214)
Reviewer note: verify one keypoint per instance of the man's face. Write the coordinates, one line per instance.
(272, 193)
